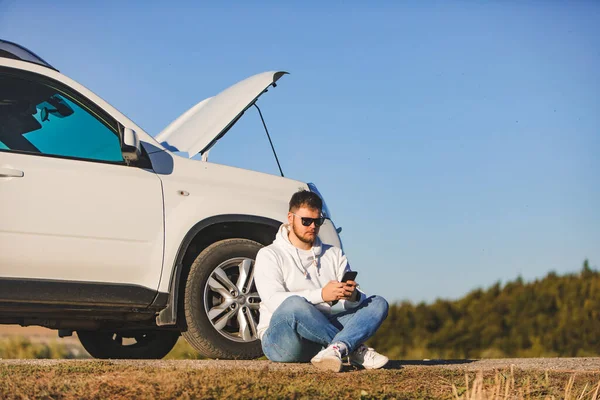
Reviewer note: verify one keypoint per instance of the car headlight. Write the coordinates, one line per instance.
(313, 188)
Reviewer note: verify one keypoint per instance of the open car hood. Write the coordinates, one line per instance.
(199, 128)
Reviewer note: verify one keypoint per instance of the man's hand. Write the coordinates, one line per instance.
(349, 289)
(335, 290)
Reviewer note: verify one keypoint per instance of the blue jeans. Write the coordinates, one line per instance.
(298, 330)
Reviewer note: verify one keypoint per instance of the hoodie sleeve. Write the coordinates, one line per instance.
(344, 266)
(270, 284)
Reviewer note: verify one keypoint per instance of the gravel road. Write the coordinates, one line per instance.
(582, 364)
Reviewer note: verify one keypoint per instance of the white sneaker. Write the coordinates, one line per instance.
(367, 358)
(328, 359)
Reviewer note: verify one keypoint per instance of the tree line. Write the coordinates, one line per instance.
(553, 316)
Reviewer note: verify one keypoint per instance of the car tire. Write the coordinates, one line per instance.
(148, 345)
(221, 320)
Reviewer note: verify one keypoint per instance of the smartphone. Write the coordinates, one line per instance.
(349, 276)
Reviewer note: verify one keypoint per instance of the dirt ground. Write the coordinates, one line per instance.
(216, 379)
(567, 365)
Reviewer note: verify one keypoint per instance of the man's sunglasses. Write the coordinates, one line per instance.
(306, 221)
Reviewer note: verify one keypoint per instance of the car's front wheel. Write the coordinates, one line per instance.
(221, 302)
(152, 344)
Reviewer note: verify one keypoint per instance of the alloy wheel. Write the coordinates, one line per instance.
(231, 301)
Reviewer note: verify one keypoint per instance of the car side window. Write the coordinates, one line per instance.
(37, 118)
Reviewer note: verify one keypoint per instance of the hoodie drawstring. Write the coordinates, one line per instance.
(284, 239)
(314, 262)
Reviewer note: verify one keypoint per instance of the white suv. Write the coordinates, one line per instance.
(104, 230)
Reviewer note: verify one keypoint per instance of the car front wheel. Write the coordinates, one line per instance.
(221, 302)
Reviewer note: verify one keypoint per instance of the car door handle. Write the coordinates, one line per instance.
(10, 173)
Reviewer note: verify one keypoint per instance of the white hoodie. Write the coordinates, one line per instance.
(283, 270)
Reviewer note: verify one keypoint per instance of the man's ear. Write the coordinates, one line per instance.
(290, 218)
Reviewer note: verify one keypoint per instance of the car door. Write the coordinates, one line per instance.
(75, 219)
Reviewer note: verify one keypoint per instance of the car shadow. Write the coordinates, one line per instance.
(399, 364)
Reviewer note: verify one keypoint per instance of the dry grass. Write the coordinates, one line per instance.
(505, 386)
(103, 380)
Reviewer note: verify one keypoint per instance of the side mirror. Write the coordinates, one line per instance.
(131, 147)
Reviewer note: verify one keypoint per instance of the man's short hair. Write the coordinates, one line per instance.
(305, 198)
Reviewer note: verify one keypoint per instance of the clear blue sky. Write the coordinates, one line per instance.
(457, 143)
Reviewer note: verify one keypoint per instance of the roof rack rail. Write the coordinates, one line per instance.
(18, 52)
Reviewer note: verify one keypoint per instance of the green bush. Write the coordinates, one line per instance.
(183, 351)
(557, 316)
(22, 347)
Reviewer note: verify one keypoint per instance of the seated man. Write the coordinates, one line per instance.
(305, 312)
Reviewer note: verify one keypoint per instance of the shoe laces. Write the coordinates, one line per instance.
(366, 352)
(337, 351)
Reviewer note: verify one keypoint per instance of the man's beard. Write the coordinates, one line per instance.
(303, 239)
